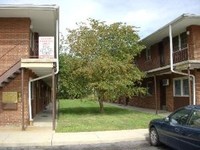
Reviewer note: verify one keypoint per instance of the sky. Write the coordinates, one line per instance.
(147, 15)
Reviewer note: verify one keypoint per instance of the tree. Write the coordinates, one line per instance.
(106, 54)
(71, 85)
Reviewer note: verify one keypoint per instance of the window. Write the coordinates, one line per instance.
(150, 88)
(183, 37)
(175, 44)
(181, 87)
(177, 84)
(180, 42)
(195, 119)
(185, 87)
(148, 54)
(180, 117)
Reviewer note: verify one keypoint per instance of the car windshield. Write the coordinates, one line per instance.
(180, 117)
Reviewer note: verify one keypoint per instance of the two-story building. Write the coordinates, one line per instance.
(29, 37)
(171, 61)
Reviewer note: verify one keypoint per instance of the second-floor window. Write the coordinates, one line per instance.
(180, 42)
(148, 54)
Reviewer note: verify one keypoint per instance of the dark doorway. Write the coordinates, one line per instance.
(162, 96)
(161, 53)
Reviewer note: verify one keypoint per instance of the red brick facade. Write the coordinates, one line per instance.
(159, 67)
(14, 45)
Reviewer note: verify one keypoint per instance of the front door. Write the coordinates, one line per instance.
(161, 53)
(162, 96)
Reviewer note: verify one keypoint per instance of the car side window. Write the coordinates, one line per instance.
(180, 117)
(195, 119)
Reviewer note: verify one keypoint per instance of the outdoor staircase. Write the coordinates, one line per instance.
(10, 74)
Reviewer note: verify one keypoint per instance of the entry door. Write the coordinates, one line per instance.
(161, 53)
(162, 95)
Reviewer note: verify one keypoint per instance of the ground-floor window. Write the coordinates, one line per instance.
(150, 88)
(181, 87)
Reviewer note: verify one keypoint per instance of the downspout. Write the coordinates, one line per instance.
(29, 102)
(176, 72)
(48, 75)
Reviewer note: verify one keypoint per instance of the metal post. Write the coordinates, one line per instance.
(156, 99)
(53, 99)
(55, 91)
(22, 97)
(189, 84)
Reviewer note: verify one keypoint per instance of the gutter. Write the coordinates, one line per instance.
(180, 73)
(57, 64)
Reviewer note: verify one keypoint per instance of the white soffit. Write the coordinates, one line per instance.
(43, 17)
(178, 25)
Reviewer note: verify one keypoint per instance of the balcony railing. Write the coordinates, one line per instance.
(180, 55)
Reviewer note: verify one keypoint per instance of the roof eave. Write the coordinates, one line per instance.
(165, 27)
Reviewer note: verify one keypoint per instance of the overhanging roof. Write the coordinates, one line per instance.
(178, 25)
(43, 17)
(45, 21)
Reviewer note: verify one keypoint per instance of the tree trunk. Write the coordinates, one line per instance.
(101, 105)
(101, 98)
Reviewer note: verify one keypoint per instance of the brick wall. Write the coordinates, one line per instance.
(197, 75)
(147, 101)
(154, 62)
(169, 95)
(14, 45)
(194, 42)
(14, 41)
(13, 117)
(172, 102)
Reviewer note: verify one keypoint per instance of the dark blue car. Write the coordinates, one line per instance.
(180, 130)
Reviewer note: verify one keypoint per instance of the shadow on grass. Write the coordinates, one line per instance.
(94, 110)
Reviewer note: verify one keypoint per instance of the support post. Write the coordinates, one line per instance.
(156, 99)
(22, 97)
(189, 84)
(53, 100)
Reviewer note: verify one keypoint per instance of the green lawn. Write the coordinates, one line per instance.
(84, 115)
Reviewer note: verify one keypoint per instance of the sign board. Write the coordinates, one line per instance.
(9, 97)
(46, 47)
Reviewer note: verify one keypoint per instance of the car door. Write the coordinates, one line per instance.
(172, 128)
(189, 137)
(190, 133)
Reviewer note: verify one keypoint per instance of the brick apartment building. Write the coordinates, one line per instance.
(27, 72)
(171, 61)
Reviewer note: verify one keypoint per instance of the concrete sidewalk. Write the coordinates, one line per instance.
(33, 137)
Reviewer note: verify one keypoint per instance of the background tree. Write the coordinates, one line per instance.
(71, 85)
(106, 58)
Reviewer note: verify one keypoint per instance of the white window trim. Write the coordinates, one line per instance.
(182, 78)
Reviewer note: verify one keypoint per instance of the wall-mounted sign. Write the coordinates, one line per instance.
(9, 97)
(46, 47)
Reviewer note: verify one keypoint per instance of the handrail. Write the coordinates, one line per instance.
(10, 71)
(10, 52)
(10, 49)
(12, 67)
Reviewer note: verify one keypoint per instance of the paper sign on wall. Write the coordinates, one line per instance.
(46, 47)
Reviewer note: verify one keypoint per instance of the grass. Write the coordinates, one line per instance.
(84, 115)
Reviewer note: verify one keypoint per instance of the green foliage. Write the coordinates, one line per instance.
(70, 84)
(106, 54)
